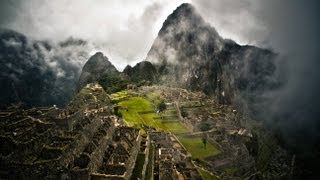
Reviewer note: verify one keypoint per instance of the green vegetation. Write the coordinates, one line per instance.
(137, 171)
(136, 104)
(113, 83)
(175, 127)
(194, 146)
(140, 112)
(204, 126)
(162, 107)
(184, 112)
(131, 107)
(153, 97)
(204, 141)
(118, 96)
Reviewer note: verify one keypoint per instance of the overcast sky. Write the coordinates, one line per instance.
(124, 29)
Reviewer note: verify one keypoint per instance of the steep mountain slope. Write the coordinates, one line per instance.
(189, 53)
(97, 66)
(37, 73)
(142, 71)
(99, 69)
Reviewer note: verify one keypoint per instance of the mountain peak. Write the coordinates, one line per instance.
(98, 54)
(186, 32)
(98, 60)
(185, 16)
(97, 66)
(186, 7)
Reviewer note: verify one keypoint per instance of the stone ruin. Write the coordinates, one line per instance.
(119, 157)
(171, 160)
(34, 144)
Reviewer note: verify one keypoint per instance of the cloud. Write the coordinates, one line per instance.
(291, 29)
(124, 30)
(12, 43)
(235, 20)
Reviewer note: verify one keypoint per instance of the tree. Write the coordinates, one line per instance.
(204, 141)
(162, 106)
(204, 126)
(184, 113)
(116, 110)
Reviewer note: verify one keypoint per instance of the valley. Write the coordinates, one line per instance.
(86, 138)
(192, 118)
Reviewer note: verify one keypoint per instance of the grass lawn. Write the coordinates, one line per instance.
(175, 127)
(195, 147)
(131, 107)
(120, 95)
(136, 104)
(153, 97)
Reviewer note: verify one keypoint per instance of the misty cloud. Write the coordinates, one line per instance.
(124, 30)
(12, 43)
(40, 72)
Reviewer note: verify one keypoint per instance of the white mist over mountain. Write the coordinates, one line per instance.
(124, 30)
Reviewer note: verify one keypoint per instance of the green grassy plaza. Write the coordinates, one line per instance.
(140, 111)
(195, 147)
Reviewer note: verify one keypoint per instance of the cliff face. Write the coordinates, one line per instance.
(189, 53)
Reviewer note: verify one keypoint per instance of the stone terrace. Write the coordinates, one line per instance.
(36, 142)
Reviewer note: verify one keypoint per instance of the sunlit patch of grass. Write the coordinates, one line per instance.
(120, 95)
(153, 97)
(175, 127)
(131, 107)
(195, 147)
